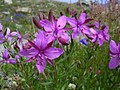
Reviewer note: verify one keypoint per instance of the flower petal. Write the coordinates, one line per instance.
(94, 38)
(63, 38)
(113, 47)
(97, 24)
(75, 33)
(29, 53)
(101, 39)
(11, 61)
(93, 31)
(1, 27)
(13, 34)
(53, 53)
(105, 30)
(41, 40)
(2, 38)
(114, 62)
(61, 22)
(5, 54)
(40, 64)
(9, 38)
(85, 30)
(82, 18)
(47, 25)
(107, 37)
(119, 46)
(72, 22)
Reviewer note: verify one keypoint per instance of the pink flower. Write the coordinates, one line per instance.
(6, 58)
(41, 51)
(115, 55)
(55, 29)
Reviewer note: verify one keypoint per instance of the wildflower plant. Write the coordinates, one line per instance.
(114, 53)
(41, 51)
(54, 42)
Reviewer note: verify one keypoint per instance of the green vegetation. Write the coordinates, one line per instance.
(84, 66)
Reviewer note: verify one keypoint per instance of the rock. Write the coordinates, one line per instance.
(23, 9)
(2, 74)
(6, 12)
(72, 86)
(1, 50)
(8, 1)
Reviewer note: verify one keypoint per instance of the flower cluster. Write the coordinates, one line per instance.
(115, 54)
(54, 30)
(57, 29)
(7, 36)
(41, 50)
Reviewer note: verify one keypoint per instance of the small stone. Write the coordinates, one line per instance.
(2, 74)
(14, 83)
(23, 9)
(8, 1)
(6, 13)
(1, 50)
(71, 86)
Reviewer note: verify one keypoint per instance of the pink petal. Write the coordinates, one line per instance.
(13, 33)
(101, 41)
(93, 31)
(94, 38)
(29, 53)
(97, 24)
(48, 26)
(41, 40)
(9, 38)
(49, 45)
(61, 22)
(50, 38)
(106, 29)
(107, 36)
(5, 55)
(63, 38)
(85, 30)
(113, 47)
(72, 22)
(41, 64)
(53, 53)
(17, 56)
(100, 35)
(1, 27)
(119, 46)
(114, 62)
(82, 18)
(12, 61)
(2, 38)
(75, 33)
